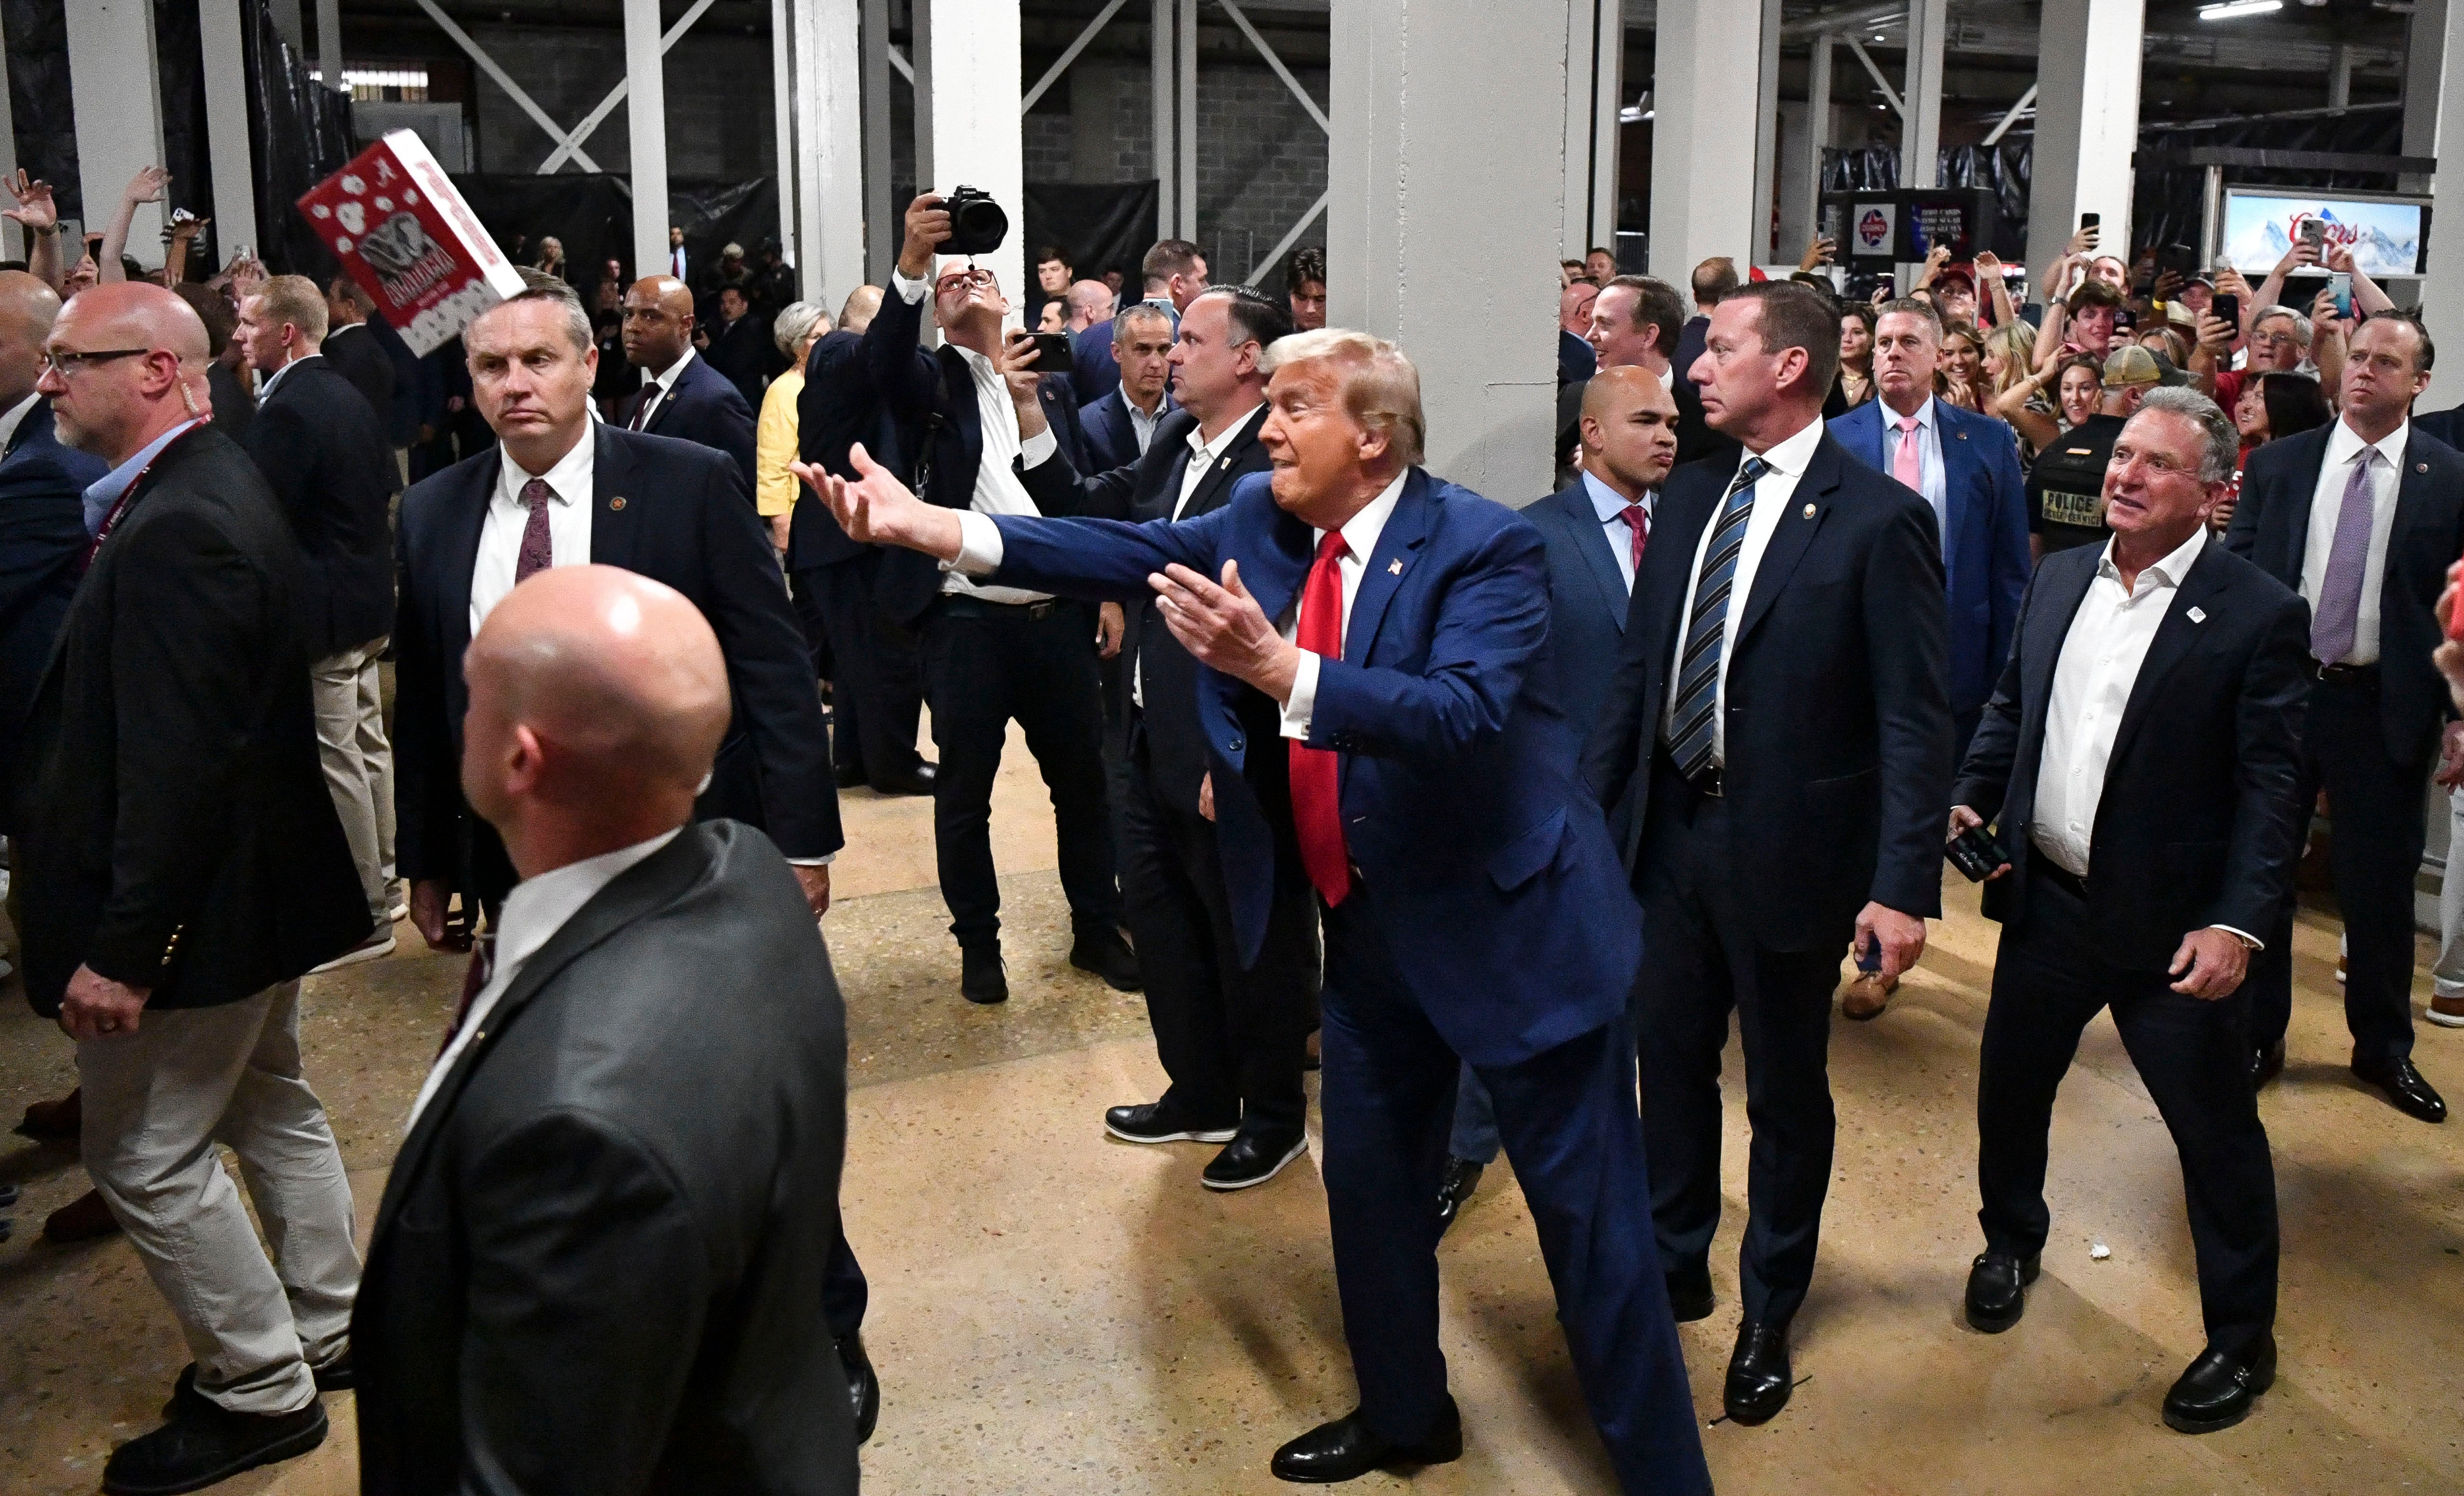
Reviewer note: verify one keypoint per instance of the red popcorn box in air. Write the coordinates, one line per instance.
(405, 234)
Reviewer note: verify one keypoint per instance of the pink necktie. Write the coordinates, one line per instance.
(1637, 519)
(1905, 466)
(539, 548)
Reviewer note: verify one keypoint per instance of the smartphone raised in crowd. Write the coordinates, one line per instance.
(2227, 310)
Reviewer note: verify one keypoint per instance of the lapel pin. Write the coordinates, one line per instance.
(1808, 510)
(2198, 615)
(1395, 567)
(1224, 466)
(618, 503)
(2421, 467)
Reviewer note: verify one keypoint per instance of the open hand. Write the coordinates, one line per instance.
(1226, 628)
(34, 206)
(878, 510)
(148, 185)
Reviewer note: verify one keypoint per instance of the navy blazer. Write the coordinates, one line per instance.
(1838, 761)
(42, 549)
(1587, 610)
(1111, 441)
(664, 509)
(1498, 892)
(1093, 371)
(2271, 525)
(1985, 534)
(705, 409)
(837, 409)
(321, 448)
(932, 392)
(2447, 424)
(2199, 823)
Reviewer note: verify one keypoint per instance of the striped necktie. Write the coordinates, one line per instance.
(1691, 724)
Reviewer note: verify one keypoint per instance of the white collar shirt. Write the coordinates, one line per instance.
(1203, 455)
(1931, 481)
(1142, 425)
(662, 384)
(2327, 505)
(1611, 507)
(266, 390)
(14, 417)
(533, 912)
(500, 533)
(1361, 534)
(1786, 460)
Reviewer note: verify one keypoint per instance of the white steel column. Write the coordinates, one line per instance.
(1432, 188)
(14, 244)
(1595, 91)
(975, 85)
(1185, 132)
(115, 89)
(1921, 122)
(2442, 289)
(1765, 140)
(646, 124)
(1707, 61)
(882, 218)
(329, 45)
(1818, 138)
(829, 164)
(234, 212)
(1160, 52)
(786, 107)
(2424, 53)
(2087, 122)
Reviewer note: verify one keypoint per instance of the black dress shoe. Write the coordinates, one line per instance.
(1455, 1185)
(202, 1442)
(1252, 1159)
(2266, 1064)
(1997, 1289)
(1689, 1294)
(2218, 1390)
(335, 1376)
(848, 777)
(1150, 1122)
(1758, 1373)
(981, 975)
(1347, 1449)
(917, 780)
(863, 1387)
(1108, 955)
(2412, 1095)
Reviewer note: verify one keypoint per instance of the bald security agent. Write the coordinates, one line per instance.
(601, 1246)
(1387, 634)
(683, 397)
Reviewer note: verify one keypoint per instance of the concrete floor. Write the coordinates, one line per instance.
(1057, 1312)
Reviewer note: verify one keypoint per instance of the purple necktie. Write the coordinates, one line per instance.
(2340, 592)
(538, 552)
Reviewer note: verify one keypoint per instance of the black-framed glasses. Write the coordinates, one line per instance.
(67, 362)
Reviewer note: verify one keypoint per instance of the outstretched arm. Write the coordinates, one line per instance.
(146, 187)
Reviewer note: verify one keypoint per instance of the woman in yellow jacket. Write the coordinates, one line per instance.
(774, 436)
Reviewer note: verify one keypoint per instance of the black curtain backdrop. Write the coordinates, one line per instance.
(1106, 227)
(299, 134)
(2164, 201)
(38, 100)
(180, 60)
(591, 214)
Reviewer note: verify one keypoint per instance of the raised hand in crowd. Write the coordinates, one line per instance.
(1819, 253)
(31, 208)
(150, 185)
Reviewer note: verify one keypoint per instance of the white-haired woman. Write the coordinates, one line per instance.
(774, 438)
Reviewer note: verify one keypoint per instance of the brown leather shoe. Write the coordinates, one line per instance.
(2445, 1012)
(81, 1220)
(1865, 999)
(55, 1121)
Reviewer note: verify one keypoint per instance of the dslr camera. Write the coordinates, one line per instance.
(978, 226)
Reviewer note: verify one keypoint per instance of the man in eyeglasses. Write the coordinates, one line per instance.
(992, 654)
(180, 865)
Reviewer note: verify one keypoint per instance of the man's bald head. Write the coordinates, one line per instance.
(658, 323)
(133, 360)
(598, 699)
(28, 308)
(1629, 428)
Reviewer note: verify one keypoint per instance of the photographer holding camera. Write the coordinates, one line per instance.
(993, 653)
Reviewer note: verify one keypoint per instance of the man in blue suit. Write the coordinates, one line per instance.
(1119, 426)
(1387, 636)
(42, 507)
(1596, 529)
(1966, 467)
(684, 398)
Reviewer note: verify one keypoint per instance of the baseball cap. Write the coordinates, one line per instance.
(2132, 365)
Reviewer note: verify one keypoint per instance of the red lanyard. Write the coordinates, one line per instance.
(119, 505)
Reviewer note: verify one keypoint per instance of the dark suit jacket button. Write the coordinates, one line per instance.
(1234, 747)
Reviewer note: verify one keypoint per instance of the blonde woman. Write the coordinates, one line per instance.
(797, 327)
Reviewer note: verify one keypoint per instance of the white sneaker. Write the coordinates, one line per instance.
(2447, 1012)
(375, 948)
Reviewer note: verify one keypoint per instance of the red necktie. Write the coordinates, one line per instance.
(1639, 520)
(1317, 809)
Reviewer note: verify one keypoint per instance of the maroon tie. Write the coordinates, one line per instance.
(474, 980)
(1639, 520)
(538, 551)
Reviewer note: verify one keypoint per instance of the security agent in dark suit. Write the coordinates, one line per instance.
(683, 397)
(876, 681)
(42, 508)
(1120, 425)
(992, 655)
(596, 1261)
(2362, 518)
(352, 345)
(1386, 634)
(663, 509)
(1597, 530)
(1782, 719)
(2141, 755)
(740, 348)
(323, 452)
(179, 865)
(1230, 1027)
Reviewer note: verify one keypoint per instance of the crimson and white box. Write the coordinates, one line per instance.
(400, 230)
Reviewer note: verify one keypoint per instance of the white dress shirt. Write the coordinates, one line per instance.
(1609, 504)
(980, 551)
(1931, 480)
(13, 417)
(1772, 490)
(500, 534)
(2327, 505)
(662, 384)
(1142, 424)
(265, 390)
(998, 489)
(536, 910)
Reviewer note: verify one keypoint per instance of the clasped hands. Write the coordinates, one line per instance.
(1219, 623)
